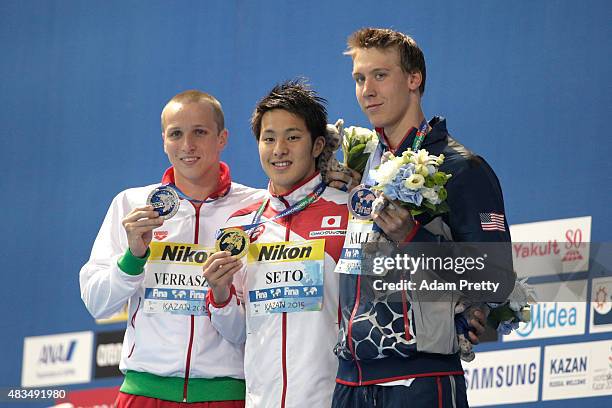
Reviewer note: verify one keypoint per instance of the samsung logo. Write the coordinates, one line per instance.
(501, 376)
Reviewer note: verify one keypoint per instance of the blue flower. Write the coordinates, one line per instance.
(407, 170)
(507, 327)
(410, 196)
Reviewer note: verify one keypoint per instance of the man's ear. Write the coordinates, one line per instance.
(164, 141)
(222, 139)
(318, 146)
(414, 80)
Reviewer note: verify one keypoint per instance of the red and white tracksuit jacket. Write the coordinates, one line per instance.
(289, 358)
(167, 345)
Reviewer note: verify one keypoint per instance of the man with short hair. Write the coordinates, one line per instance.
(381, 362)
(171, 351)
(288, 288)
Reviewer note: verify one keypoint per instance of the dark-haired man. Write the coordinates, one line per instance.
(288, 290)
(381, 361)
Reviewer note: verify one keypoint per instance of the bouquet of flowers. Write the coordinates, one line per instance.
(504, 317)
(357, 144)
(414, 179)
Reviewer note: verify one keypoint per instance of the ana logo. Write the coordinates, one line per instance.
(547, 316)
(331, 222)
(57, 353)
(160, 235)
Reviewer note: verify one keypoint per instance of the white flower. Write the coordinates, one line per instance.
(362, 135)
(431, 195)
(371, 145)
(414, 182)
(386, 171)
(422, 157)
(421, 169)
(440, 159)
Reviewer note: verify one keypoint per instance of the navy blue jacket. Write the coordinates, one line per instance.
(378, 342)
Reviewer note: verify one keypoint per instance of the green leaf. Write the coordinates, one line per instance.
(443, 194)
(357, 150)
(429, 205)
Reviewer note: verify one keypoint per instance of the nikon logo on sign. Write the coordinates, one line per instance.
(286, 251)
(282, 252)
(175, 252)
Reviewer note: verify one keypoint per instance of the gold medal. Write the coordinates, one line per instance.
(232, 240)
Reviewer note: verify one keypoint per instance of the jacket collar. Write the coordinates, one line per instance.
(281, 201)
(223, 184)
(438, 132)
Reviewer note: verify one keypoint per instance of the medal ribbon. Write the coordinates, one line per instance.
(193, 200)
(299, 206)
(420, 136)
(374, 160)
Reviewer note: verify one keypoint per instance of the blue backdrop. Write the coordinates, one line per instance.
(526, 84)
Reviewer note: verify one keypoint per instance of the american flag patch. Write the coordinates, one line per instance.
(492, 222)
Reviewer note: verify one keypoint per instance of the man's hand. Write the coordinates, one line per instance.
(477, 323)
(219, 270)
(343, 181)
(395, 221)
(139, 225)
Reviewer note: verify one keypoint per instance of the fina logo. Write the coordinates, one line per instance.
(551, 317)
(57, 353)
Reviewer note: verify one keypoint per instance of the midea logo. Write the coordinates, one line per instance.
(548, 316)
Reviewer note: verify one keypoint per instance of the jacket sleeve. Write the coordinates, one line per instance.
(228, 318)
(105, 287)
(474, 194)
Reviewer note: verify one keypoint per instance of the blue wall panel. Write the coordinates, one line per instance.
(525, 84)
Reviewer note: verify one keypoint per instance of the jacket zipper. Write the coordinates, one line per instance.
(349, 333)
(188, 362)
(407, 334)
(284, 321)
